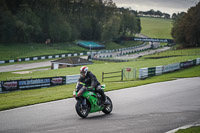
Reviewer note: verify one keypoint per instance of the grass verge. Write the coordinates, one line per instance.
(29, 97)
(195, 129)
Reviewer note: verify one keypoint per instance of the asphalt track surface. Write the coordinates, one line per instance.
(153, 108)
(18, 67)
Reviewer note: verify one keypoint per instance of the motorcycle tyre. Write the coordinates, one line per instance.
(78, 104)
(105, 108)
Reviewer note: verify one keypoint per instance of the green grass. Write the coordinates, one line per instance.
(99, 67)
(176, 53)
(29, 97)
(152, 27)
(195, 129)
(156, 27)
(15, 50)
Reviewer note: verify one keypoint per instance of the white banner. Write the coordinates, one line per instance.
(35, 58)
(27, 59)
(43, 57)
(159, 70)
(72, 78)
(11, 61)
(2, 62)
(171, 67)
(198, 61)
(143, 73)
(50, 57)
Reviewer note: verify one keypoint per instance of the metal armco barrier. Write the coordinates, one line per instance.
(44, 57)
(63, 55)
(158, 70)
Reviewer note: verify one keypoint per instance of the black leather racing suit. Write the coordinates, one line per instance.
(91, 80)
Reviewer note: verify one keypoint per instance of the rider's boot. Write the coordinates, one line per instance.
(104, 99)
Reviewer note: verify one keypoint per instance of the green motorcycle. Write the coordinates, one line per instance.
(88, 101)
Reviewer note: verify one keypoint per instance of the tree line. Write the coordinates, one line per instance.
(186, 27)
(154, 13)
(25, 21)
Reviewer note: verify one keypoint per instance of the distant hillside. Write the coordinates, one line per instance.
(156, 27)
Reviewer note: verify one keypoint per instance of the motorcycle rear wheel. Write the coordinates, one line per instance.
(82, 111)
(108, 108)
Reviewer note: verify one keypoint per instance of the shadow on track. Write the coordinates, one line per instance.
(95, 117)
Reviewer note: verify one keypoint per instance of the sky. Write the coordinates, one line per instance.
(165, 6)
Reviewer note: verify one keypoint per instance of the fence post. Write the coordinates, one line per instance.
(102, 76)
(122, 75)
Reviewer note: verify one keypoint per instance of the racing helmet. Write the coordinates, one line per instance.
(83, 71)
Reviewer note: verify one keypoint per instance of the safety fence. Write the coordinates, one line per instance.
(44, 57)
(146, 39)
(24, 84)
(110, 60)
(122, 53)
(118, 74)
(158, 70)
(125, 74)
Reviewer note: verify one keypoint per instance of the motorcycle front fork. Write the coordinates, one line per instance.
(84, 102)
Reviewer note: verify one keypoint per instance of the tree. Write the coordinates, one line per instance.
(129, 24)
(27, 24)
(186, 28)
(7, 27)
(64, 20)
(111, 29)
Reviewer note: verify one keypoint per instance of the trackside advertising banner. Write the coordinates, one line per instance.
(188, 64)
(171, 67)
(34, 83)
(9, 85)
(31, 83)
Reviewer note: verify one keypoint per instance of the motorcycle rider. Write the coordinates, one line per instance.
(90, 79)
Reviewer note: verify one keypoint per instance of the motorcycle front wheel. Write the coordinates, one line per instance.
(81, 110)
